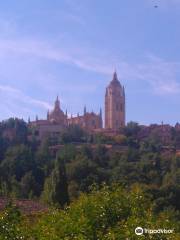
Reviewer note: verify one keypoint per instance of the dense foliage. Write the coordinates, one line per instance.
(107, 214)
(31, 169)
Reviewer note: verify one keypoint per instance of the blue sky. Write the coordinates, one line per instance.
(71, 48)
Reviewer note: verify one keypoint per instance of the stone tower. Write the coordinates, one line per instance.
(114, 105)
(57, 116)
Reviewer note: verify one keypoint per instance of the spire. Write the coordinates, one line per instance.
(85, 110)
(57, 98)
(29, 120)
(100, 112)
(115, 82)
(36, 118)
(115, 76)
(123, 91)
(57, 103)
(66, 113)
(48, 115)
(100, 117)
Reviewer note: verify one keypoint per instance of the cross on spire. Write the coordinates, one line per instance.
(115, 76)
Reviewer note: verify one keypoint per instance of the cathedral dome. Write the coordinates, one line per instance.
(57, 115)
(115, 82)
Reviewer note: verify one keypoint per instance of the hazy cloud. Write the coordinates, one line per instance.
(16, 103)
(44, 50)
(161, 75)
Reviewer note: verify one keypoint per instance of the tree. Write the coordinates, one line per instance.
(120, 139)
(74, 133)
(131, 129)
(28, 185)
(18, 160)
(10, 221)
(56, 187)
(17, 129)
(107, 213)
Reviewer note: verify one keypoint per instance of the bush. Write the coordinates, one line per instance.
(107, 214)
(10, 221)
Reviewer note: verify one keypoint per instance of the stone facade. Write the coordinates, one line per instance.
(51, 127)
(161, 133)
(57, 116)
(89, 121)
(115, 105)
(43, 128)
(57, 120)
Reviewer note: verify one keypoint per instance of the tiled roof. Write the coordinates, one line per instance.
(26, 206)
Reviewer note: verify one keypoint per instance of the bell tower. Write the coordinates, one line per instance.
(115, 105)
(57, 104)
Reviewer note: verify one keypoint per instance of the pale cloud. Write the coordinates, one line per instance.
(162, 75)
(159, 74)
(76, 5)
(15, 103)
(16, 93)
(41, 49)
(7, 27)
(169, 88)
(74, 18)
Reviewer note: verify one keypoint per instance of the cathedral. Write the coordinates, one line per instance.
(57, 120)
(115, 105)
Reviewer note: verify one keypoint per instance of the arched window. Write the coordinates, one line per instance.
(117, 106)
(121, 107)
(117, 123)
(93, 122)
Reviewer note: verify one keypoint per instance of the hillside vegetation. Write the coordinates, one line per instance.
(97, 187)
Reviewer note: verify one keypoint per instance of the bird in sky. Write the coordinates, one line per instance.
(155, 4)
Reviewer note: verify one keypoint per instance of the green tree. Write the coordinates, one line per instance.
(131, 129)
(18, 160)
(109, 213)
(74, 133)
(56, 186)
(10, 221)
(28, 185)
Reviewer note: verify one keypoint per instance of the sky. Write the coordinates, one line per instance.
(71, 48)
